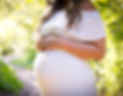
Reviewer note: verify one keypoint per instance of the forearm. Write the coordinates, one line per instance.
(82, 50)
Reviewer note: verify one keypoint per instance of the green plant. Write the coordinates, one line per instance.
(8, 80)
(27, 60)
(110, 69)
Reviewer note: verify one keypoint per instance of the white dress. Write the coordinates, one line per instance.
(59, 72)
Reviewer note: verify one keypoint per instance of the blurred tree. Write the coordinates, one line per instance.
(19, 19)
(111, 68)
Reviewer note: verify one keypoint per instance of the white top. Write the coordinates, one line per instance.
(89, 28)
(61, 64)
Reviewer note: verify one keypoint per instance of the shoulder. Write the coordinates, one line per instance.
(91, 14)
(93, 27)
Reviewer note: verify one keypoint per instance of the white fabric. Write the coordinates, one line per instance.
(91, 27)
(57, 24)
(61, 71)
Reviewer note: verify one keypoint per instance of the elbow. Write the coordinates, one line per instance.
(100, 56)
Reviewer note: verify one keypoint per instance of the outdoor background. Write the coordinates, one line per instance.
(19, 20)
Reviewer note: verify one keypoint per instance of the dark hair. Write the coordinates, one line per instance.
(72, 8)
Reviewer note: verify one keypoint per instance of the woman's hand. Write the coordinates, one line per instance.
(48, 42)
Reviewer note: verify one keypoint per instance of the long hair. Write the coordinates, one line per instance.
(72, 7)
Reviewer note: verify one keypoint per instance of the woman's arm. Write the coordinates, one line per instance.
(85, 50)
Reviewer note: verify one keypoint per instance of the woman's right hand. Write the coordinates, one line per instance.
(47, 43)
(39, 44)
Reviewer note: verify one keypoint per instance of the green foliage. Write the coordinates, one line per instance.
(19, 20)
(27, 60)
(110, 69)
(8, 80)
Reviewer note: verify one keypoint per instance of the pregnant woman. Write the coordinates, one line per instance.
(72, 33)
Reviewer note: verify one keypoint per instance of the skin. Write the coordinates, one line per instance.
(83, 50)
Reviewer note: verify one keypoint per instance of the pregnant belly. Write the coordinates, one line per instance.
(62, 69)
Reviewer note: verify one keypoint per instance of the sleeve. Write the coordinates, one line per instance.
(95, 31)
